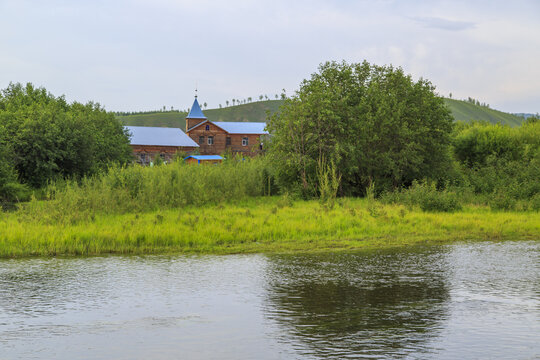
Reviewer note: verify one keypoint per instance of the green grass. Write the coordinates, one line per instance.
(263, 224)
(467, 112)
(257, 112)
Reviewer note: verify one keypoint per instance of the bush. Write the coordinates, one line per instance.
(136, 188)
(328, 180)
(13, 192)
(502, 201)
(426, 196)
(535, 202)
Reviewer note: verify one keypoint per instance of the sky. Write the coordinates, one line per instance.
(135, 55)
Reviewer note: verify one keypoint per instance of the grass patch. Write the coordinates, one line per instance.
(264, 224)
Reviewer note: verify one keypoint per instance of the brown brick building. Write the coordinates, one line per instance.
(150, 142)
(245, 138)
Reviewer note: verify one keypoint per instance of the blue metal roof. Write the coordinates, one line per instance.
(204, 157)
(242, 127)
(159, 136)
(195, 112)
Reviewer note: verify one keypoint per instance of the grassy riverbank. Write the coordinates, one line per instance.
(264, 224)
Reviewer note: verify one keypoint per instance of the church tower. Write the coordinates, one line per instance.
(195, 115)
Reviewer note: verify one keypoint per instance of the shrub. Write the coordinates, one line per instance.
(535, 202)
(136, 188)
(328, 180)
(502, 201)
(426, 196)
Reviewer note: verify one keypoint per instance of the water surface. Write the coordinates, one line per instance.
(478, 300)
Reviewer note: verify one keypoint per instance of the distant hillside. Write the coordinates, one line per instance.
(256, 112)
(252, 112)
(465, 111)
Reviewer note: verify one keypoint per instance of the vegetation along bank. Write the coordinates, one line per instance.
(263, 224)
(361, 156)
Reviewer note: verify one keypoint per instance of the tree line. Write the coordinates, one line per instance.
(44, 138)
(350, 130)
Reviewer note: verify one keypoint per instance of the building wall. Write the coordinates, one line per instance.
(192, 122)
(220, 145)
(144, 154)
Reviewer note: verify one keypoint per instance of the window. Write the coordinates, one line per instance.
(245, 141)
(228, 140)
(201, 140)
(210, 140)
(207, 128)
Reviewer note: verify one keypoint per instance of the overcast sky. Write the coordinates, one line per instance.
(141, 55)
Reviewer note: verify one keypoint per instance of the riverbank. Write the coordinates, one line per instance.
(264, 224)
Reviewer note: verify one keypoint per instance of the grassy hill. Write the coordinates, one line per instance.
(252, 112)
(256, 112)
(466, 111)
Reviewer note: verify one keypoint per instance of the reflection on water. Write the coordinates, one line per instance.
(477, 300)
(380, 304)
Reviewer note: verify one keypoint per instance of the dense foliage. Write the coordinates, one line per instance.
(45, 138)
(355, 129)
(501, 162)
(374, 123)
(10, 189)
(138, 188)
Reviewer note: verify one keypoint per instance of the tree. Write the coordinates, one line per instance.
(205, 104)
(373, 122)
(276, 96)
(261, 97)
(10, 189)
(227, 102)
(50, 138)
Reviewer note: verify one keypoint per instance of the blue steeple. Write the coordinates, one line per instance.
(195, 112)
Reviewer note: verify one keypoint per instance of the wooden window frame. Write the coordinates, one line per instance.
(245, 141)
(201, 140)
(210, 140)
(228, 140)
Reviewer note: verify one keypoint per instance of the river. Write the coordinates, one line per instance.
(470, 300)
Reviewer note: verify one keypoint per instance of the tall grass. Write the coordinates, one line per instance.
(329, 181)
(138, 189)
(262, 224)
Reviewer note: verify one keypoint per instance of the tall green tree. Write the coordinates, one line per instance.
(373, 122)
(49, 138)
